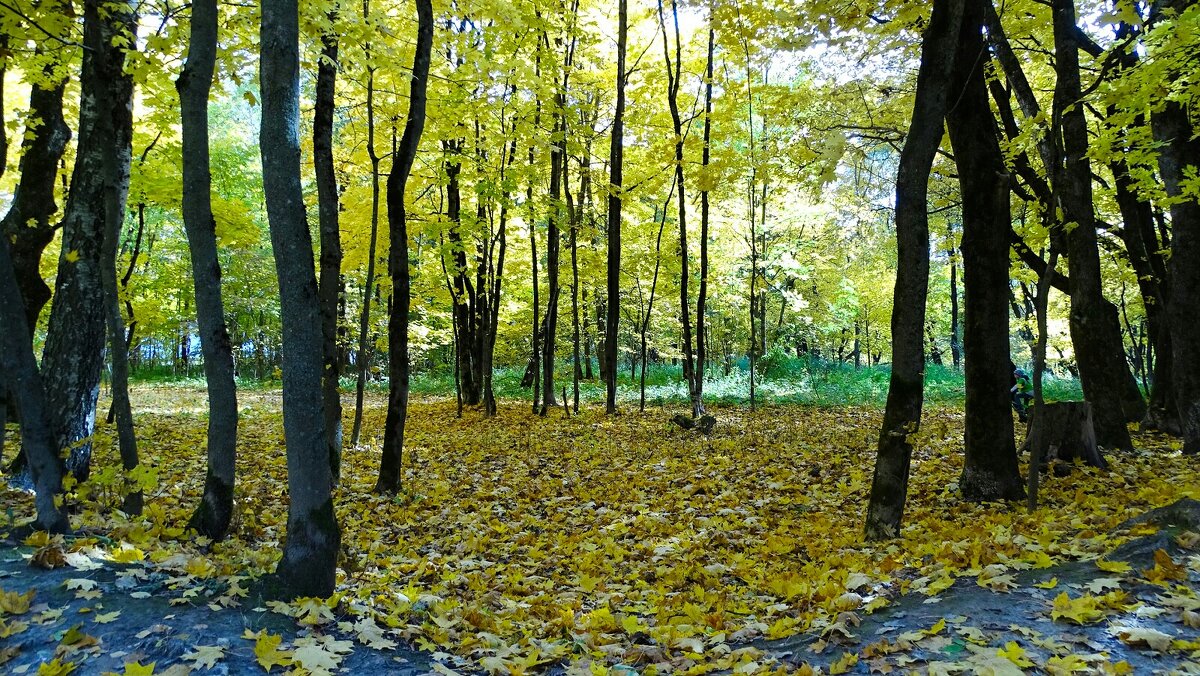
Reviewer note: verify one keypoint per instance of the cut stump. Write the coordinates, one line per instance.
(1063, 431)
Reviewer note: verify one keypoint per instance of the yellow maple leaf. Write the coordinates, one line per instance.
(206, 656)
(266, 651)
(1113, 566)
(844, 663)
(1083, 610)
(1048, 584)
(55, 668)
(1065, 665)
(105, 618)
(12, 603)
(72, 256)
(1016, 654)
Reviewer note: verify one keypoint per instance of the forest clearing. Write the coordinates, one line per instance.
(655, 336)
(523, 542)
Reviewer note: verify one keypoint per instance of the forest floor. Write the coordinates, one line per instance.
(528, 544)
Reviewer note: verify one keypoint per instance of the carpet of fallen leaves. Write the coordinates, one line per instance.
(522, 543)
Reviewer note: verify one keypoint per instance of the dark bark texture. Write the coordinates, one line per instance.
(74, 351)
(309, 561)
(215, 511)
(21, 373)
(902, 416)
(1096, 338)
(402, 161)
(616, 154)
(329, 286)
(990, 469)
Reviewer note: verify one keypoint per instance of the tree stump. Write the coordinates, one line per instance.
(1063, 431)
(704, 423)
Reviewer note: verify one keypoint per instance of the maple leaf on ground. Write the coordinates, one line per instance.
(1113, 566)
(266, 651)
(135, 669)
(1140, 637)
(105, 618)
(1083, 610)
(206, 656)
(1016, 654)
(55, 668)
(315, 659)
(13, 603)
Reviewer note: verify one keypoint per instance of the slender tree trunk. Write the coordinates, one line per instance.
(575, 211)
(690, 374)
(1039, 369)
(329, 285)
(902, 416)
(702, 295)
(213, 514)
(615, 163)
(402, 162)
(955, 332)
(309, 562)
(990, 470)
(21, 372)
(1091, 334)
(116, 167)
(363, 359)
(74, 351)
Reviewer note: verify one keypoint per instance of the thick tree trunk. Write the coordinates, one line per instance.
(1100, 363)
(990, 469)
(74, 351)
(309, 562)
(329, 286)
(21, 373)
(27, 223)
(215, 511)
(1178, 157)
(615, 163)
(902, 416)
(402, 162)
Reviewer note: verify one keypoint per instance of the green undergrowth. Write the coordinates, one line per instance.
(779, 379)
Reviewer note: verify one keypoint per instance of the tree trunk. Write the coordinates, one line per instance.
(1177, 159)
(116, 167)
(363, 358)
(990, 470)
(27, 222)
(690, 374)
(402, 162)
(330, 283)
(955, 333)
(615, 162)
(902, 416)
(1091, 333)
(309, 562)
(74, 351)
(215, 511)
(1039, 371)
(20, 370)
(702, 294)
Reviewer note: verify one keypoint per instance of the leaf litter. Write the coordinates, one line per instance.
(524, 544)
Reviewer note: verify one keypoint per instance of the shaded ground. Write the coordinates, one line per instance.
(149, 627)
(980, 622)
